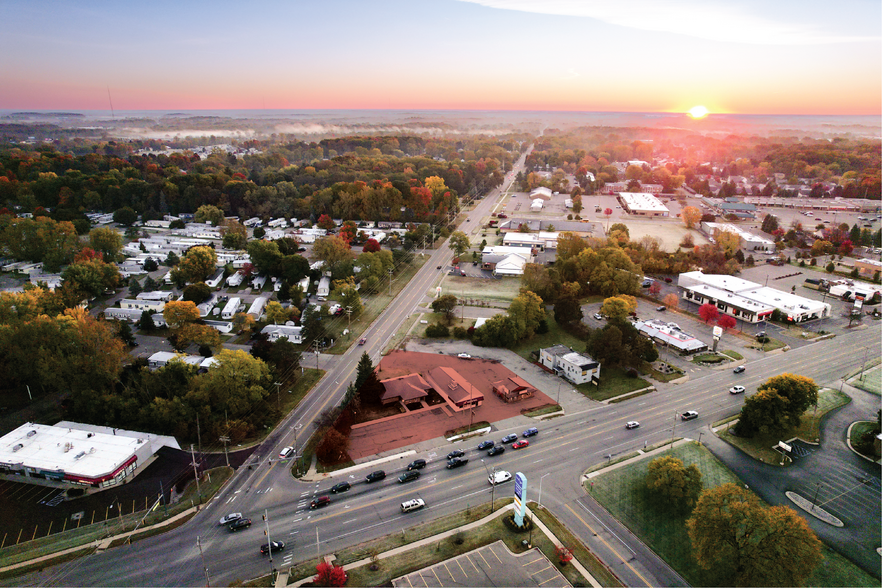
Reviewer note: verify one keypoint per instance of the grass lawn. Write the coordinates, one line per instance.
(624, 494)
(760, 446)
(551, 408)
(708, 358)
(613, 382)
(501, 290)
(733, 354)
(770, 346)
(858, 431)
(554, 336)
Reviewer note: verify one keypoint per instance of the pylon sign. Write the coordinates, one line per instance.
(520, 498)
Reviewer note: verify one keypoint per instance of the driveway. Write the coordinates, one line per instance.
(846, 485)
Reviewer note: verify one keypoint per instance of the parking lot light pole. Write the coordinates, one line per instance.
(539, 502)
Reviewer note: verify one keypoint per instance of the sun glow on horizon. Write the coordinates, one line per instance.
(697, 112)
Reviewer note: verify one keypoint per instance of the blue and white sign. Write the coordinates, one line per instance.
(520, 499)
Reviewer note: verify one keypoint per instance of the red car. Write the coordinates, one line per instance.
(520, 444)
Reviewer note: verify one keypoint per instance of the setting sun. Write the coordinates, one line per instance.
(698, 112)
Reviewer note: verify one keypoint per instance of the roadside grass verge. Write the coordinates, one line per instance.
(549, 409)
(613, 382)
(467, 429)
(772, 345)
(733, 354)
(760, 446)
(859, 429)
(624, 494)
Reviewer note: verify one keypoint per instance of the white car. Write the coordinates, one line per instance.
(227, 519)
(464, 356)
(286, 452)
(632, 425)
(499, 477)
(736, 390)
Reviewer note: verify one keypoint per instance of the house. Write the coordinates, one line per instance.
(513, 389)
(303, 285)
(867, 267)
(131, 315)
(216, 279)
(405, 389)
(324, 286)
(536, 205)
(290, 332)
(256, 308)
(141, 305)
(454, 388)
(235, 280)
(574, 367)
(164, 295)
(231, 308)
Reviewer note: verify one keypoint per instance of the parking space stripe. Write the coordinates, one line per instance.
(473, 563)
(440, 583)
(549, 579)
(449, 573)
(531, 562)
(481, 555)
(460, 567)
(490, 547)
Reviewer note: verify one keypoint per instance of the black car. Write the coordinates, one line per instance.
(485, 445)
(509, 438)
(273, 547)
(375, 476)
(341, 487)
(239, 524)
(496, 450)
(408, 477)
(456, 462)
(416, 464)
(455, 453)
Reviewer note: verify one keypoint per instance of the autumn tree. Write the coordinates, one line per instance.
(446, 306)
(778, 405)
(325, 222)
(726, 321)
(459, 243)
(277, 314)
(674, 484)
(708, 312)
(209, 214)
(202, 335)
(350, 300)
(671, 300)
(197, 293)
(197, 264)
(619, 307)
(526, 311)
(237, 383)
(234, 234)
(91, 277)
(349, 231)
(242, 321)
(178, 313)
(125, 216)
(742, 542)
(332, 450)
(728, 241)
(333, 250)
(329, 574)
(690, 216)
(107, 241)
(371, 246)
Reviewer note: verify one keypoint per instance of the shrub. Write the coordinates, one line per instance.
(437, 331)
(460, 332)
(542, 328)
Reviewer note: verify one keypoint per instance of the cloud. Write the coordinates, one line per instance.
(705, 19)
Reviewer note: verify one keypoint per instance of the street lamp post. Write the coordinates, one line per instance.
(539, 502)
(492, 484)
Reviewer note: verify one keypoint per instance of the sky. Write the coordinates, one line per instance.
(743, 57)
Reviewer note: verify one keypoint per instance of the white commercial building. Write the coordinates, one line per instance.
(73, 454)
(642, 204)
(747, 300)
(749, 241)
(575, 367)
(670, 334)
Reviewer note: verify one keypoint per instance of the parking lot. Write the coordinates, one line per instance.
(491, 565)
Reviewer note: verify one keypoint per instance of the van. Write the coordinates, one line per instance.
(415, 504)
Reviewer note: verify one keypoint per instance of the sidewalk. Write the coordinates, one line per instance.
(450, 533)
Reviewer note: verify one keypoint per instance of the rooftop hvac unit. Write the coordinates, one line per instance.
(80, 455)
(16, 447)
(31, 433)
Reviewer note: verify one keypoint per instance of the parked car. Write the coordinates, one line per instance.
(408, 477)
(286, 452)
(455, 453)
(320, 502)
(485, 444)
(227, 519)
(736, 390)
(499, 477)
(598, 316)
(739, 369)
(272, 547)
(662, 308)
(416, 464)
(500, 215)
(509, 438)
(375, 476)
(239, 524)
(464, 356)
(689, 415)
(341, 487)
(632, 425)
(456, 462)
(530, 432)
(498, 450)
(520, 444)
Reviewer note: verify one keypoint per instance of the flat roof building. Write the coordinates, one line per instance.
(670, 334)
(642, 204)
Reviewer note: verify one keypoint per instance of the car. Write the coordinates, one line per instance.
(286, 452)
(499, 477)
(632, 425)
(414, 504)
(689, 415)
(462, 272)
(760, 334)
(375, 476)
(320, 502)
(485, 445)
(439, 267)
(227, 519)
(239, 524)
(455, 453)
(498, 450)
(598, 316)
(662, 308)
(736, 390)
(530, 432)
(520, 444)
(464, 356)
(363, 341)
(416, 464)
(272, 547)
(739, 369)
(408, 476)
(456, 462)
(646, 283)
(509, 438)
(500, 215)
(341, 487)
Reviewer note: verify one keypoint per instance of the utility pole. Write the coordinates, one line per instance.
(297, 463)
(349, 316)
(198, 434)
(278, 400)
(224, 439)
(269, 543)
(390, 281)
(204, 567)
(196, 473)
